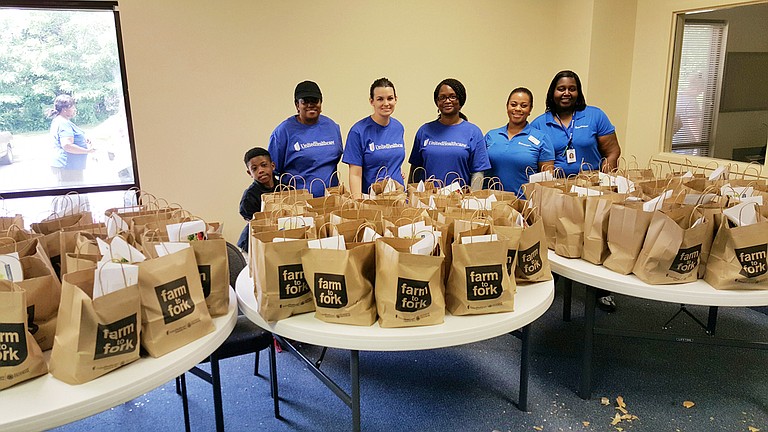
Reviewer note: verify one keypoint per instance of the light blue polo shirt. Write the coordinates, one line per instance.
(379, 150)
(441, 150)
(514, 159)
(588, 124)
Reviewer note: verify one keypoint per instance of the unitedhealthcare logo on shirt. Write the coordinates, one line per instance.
(373, 146)
(444, 143)
(303, 146)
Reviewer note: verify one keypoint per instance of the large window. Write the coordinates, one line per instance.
(64, 110)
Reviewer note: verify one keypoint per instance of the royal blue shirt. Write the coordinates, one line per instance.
(514, 159)
(442, 149)
(373, 146)
(588, 124)
(309, 151)
(61, 128)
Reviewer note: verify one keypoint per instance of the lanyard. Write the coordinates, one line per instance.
(568, 131)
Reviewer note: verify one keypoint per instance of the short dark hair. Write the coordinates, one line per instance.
(255, 152)
(581, 101)
(383, 82)
(521, 90)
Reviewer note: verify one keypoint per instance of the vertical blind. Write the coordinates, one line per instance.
(701, 61)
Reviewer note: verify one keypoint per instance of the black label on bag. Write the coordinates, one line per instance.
(330, 290)
(511, 256)
(412, 295)
(175, 300)
(205, 279)
(753, 260)
(33, 328)
(686, 260)
(529, 260)
(484, 282)
(13, 344)
(119, 337)
(292, 282)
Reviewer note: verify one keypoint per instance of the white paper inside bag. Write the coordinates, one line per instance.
(167, 248)
(110, 277)
(292, 222)
(606, 179)
(115, 225)
(420, 204)
(473, 203)
(719, 172)
(582, 191)
(656, 203)
(624, 185)
(687, 175)
(540, 177)
(10, 267)
(283, 239)
(390, 186)
(742, 214)
(335, 219)
(335, 243)
(369, 235)
(426, 245)
(186, 231)
(698, 221)
(695, 199)
(753, 199)
(408, 231)
(451, 188)
(118, 250)
(520, 221)
(479, 238)
(420, 187)
(737, 192)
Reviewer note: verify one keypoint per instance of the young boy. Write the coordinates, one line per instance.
(259, 167)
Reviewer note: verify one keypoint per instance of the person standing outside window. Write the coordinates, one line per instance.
(450, 144)
(376, 142)
(307, 145)
(516, 148)
(70, 145)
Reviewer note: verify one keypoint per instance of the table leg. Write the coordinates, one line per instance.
(585, 392)
(567, 299)
(354, 369)
(712, 320)
(522, 398)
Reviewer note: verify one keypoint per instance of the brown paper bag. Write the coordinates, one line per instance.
(532, 259)
(627, 225)
(409, 288)
(94, 336)
(280, 286)
(569, 225)
(737, 259)
(43, 295)
(596, 212)
(77, 261)
(672, 248)
(342, 283)
(20, 357)
(173, 311)
(6, 222)
(479, 282)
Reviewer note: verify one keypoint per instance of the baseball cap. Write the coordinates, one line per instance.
(307, 89)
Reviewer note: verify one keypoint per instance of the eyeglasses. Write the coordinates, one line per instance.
(443, 98)
(309, 101)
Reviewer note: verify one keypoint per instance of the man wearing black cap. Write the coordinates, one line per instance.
(307, 144)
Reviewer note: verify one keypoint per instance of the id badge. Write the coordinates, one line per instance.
(570, 155)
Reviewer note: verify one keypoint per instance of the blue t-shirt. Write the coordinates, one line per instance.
(309, 151)
(442, 149)
(61, 128)
(373, 146)
(588, 124)
(514, 159)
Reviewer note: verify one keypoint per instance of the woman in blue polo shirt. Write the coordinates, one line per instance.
(582, 136)
(376, 142)
(307, 145)
(450, 144)
(516, 149)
